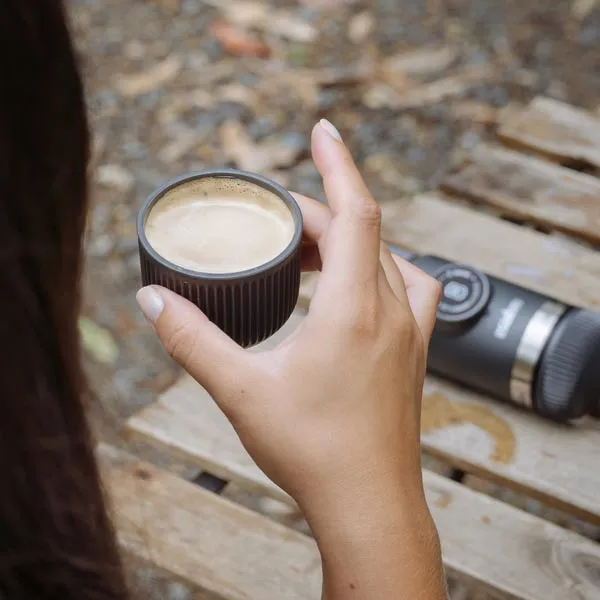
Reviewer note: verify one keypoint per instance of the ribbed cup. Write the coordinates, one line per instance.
(249, 306)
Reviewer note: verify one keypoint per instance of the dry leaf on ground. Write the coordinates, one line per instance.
(98, 342)
(270, 154)
(298, 84)
(262, 16)
(306, 84)
(475, 112)
(422, 61)
(151, 79)
(235, 40)
(440, 89)
(180, 146)
(241, 94)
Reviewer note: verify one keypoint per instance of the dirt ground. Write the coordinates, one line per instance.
(179, 85)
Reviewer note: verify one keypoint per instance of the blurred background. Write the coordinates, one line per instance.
(177, 85)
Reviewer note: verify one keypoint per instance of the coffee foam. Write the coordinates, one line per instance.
(219, 225)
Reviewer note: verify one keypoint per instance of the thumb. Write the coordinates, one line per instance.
(198, 345)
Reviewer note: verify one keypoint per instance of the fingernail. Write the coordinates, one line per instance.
(150, 302)
(331, 129)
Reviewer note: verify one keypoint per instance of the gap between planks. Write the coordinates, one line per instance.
(531, 189)
(559, 131)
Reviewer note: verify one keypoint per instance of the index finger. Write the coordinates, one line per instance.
(351, 256)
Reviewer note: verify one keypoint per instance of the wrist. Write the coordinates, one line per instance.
(380, 539)
(359, 512)
(357, 507)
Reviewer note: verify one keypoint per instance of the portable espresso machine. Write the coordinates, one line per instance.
(513, 343)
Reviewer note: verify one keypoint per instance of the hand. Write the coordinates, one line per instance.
(333, 412)
(341, 397)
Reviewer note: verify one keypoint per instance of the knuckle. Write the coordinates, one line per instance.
(368, 212)
(180, 343)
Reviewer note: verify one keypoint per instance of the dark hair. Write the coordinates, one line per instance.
(56, 540)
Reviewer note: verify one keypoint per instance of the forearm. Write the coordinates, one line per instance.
(381, 546)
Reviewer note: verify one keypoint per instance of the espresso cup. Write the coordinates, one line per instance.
(228, 241)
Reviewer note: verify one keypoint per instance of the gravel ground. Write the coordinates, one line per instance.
(168, 92)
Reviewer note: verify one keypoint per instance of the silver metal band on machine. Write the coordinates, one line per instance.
(536, 335)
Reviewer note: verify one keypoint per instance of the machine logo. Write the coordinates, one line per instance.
(509, 314)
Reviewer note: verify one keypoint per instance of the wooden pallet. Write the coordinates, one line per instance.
(491, 545)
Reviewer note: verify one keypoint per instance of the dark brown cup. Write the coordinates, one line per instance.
(250, 305)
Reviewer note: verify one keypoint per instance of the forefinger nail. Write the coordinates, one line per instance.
(331, 129)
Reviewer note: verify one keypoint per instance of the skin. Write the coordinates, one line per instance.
(332, 415)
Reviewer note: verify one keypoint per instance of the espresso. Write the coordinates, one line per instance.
(219, 225)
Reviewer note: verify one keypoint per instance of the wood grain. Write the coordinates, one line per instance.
(236, 554)
(509, 553)
(205, 540)
(557, 130)
(549, 264)
(532, 189)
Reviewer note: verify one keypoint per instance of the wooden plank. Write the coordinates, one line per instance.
(532, 189)
(549, 264)
(556, 130)
(239, 555)
(509, 553)
(205, 540)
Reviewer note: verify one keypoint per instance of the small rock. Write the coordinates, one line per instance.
(379, 96)
(134, 150)
(469, 140)
(196, 61)
(154, 77)
(177, 591)
(134, 50)
(262, 127)
(580, 9)
(360, 27)
(230, 111)
(238, 94)
(329, 98)
(150, 99)
(115, 176)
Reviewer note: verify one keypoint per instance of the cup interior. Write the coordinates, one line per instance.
(269, 233)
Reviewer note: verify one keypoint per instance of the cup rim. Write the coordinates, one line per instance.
(255, 178)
